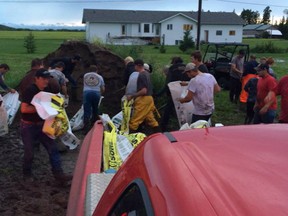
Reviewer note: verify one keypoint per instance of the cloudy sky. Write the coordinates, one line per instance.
(69, 12)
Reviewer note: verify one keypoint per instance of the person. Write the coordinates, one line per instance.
(129, 68)
(36, 64)
(70, 64)
(251, 89)
(175, 73)
(237, 66)
(270, 61)
(196, 58)
(4, 68)
(143, 101)
(93, 88)
(266, 103)
(57, 73)
(249, 73)
(31, 130)
(282, 90)
(201, 90)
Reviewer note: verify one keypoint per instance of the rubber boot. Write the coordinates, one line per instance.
(62, 178)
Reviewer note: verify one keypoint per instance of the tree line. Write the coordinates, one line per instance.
(253, 17)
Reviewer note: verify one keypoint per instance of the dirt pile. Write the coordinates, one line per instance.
(111, 67)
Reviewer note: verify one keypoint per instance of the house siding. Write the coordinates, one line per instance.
(177, 33)
(225, 37)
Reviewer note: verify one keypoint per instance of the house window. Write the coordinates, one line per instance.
(219, 32)
(157, 29)
(232, 32)
(139, 28)
(146, 28)
(169, 26)
(187, 27)
(178, 42)
(123, 29)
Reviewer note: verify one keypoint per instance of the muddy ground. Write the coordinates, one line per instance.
(42, 197)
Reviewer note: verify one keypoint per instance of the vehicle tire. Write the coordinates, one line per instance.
(223, 83)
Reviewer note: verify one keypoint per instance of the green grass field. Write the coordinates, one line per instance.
(14, 54)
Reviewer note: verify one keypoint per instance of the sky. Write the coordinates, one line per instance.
(69, 12)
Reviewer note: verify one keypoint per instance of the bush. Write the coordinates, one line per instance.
(29, 43)
(187, 42)
(268, 47)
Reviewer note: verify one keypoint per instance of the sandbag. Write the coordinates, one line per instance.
(116, 144)
(77, 121)
(184, 111)
(126, 114)
(11, 104)
(3, 119)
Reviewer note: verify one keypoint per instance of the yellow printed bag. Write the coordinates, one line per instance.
(111, 158)
(58, 125)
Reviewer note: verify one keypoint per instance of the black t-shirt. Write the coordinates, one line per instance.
(144, 81)
(27, 97)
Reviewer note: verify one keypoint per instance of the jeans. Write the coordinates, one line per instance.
(31, 133)
(90, 104)
(266, 118)
(235, 89)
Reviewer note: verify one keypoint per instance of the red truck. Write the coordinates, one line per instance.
(230, 170)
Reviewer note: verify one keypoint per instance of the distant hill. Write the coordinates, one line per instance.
(21, 27)
(6, 28)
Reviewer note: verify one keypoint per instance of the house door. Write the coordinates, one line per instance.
(206, 36)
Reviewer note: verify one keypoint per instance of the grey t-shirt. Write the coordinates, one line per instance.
(239, 62)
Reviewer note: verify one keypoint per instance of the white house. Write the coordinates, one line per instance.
(163, 26)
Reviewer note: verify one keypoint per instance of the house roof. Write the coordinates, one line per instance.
(258, 27)
(139, 16)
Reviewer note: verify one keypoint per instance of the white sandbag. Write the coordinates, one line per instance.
(77, 121)
(69, 139)
(42, 103)
(117, 119)
(11, 104)
(184, 111)
(3, 120)
(124, 146)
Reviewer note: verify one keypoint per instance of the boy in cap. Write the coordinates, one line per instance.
(266, 103)
(201, 91)
(31, 130)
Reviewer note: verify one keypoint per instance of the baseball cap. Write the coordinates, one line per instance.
(146, 67)
(262, 67)
(189, 67)
(42, 73)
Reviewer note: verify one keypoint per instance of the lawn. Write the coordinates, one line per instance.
(14, 54)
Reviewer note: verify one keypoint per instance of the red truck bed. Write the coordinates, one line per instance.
(232, 170)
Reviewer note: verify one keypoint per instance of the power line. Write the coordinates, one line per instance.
(70, 1)
(250, 3)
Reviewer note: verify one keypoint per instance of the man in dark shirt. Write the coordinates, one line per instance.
(70, 64)
(31, 130)
(4, 68)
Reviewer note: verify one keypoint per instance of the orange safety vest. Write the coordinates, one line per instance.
(244, 94)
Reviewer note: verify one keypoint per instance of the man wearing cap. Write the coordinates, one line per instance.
(266, 103)
(201, 89)
(31, 130)
(143, 101)
(237, 68)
